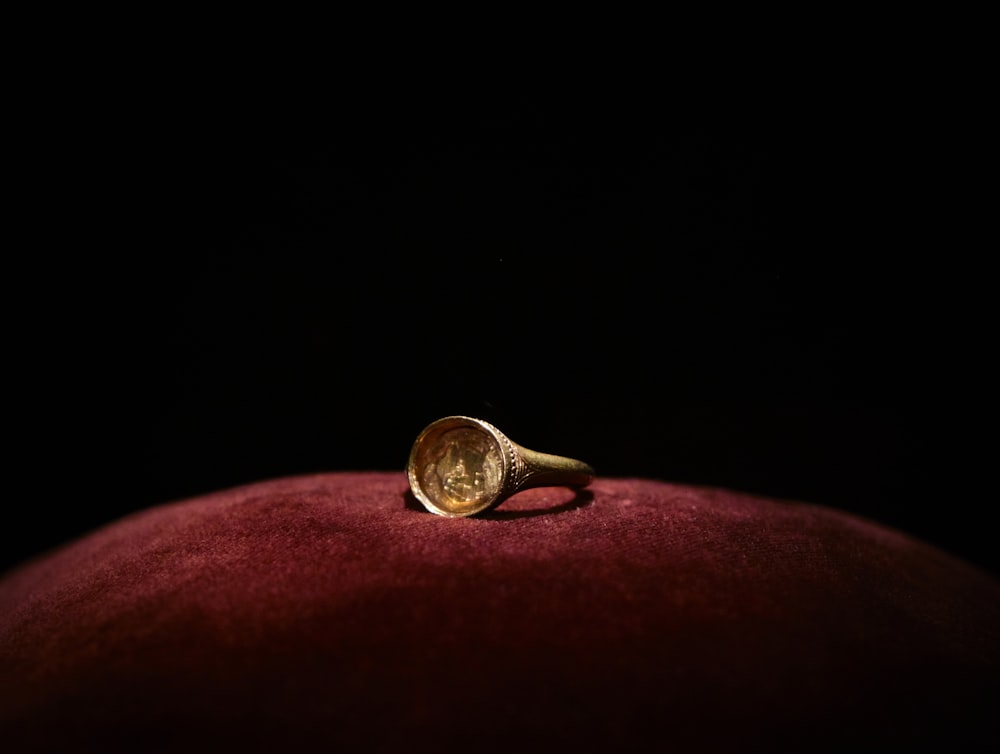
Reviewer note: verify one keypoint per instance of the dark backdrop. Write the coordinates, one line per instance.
(732, 290)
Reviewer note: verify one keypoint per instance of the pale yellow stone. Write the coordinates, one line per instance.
(461, 470)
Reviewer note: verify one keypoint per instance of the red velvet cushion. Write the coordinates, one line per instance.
(329, 612)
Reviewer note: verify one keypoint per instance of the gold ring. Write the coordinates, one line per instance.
(460, 466)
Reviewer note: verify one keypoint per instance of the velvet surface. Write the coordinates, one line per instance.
(331, 611)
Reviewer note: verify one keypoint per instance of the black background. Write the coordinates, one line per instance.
(232, 283)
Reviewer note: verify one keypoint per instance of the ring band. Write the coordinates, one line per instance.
(460, 466)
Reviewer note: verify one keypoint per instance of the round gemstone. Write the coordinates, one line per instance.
(460, 470)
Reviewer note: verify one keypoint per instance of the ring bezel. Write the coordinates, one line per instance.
(421, 473)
